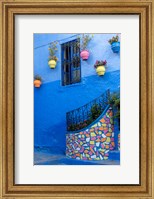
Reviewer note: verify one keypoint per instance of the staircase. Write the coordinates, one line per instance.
(90, 134)
(83, 116)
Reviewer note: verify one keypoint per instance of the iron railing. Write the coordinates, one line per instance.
(86, 114)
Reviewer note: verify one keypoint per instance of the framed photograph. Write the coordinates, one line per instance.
(76, 99)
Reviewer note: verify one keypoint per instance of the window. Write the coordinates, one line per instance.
(71, 66)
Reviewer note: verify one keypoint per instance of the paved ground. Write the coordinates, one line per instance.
(48, 158)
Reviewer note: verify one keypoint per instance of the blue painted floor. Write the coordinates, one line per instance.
(46, 157)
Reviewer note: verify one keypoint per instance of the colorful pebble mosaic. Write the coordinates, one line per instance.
(119, 141)
(95, 142)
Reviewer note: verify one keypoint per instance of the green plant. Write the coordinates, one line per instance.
(38, 77)
(115, 103)
(95, 112)
(115, 100)
(100, 63)
(52, 51)
(85, 39)
(114, 39)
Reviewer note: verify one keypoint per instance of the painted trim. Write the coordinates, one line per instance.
(68, 39)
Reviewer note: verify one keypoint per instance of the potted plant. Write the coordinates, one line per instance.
(100, 67)
(37, 81)
(115, 44)
(52, 57)
(85, 39)
(115, 103)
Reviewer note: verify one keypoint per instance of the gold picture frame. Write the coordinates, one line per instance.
(10, 8)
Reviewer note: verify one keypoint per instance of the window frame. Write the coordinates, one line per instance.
(69, 62)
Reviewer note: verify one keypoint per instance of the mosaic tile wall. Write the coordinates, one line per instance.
(119, 141)
(93, 143)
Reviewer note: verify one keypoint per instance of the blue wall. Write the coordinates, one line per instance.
(52, 101)
(99, 49)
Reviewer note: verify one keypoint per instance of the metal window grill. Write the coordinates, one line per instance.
(71, 65)
(85, 115)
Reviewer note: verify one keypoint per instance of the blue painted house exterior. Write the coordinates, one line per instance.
(52, 100)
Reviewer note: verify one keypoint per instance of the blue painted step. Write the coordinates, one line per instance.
(114, 155)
